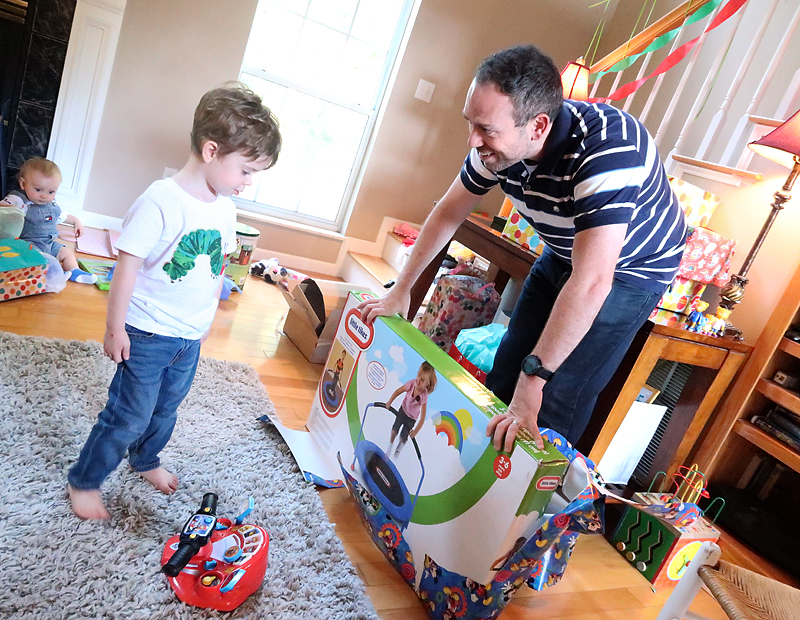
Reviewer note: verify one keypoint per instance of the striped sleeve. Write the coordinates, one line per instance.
(608, 184)
(476, 177)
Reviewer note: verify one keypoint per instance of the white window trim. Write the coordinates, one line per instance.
(396, 49)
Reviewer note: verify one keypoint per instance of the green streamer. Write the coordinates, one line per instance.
(658, 43)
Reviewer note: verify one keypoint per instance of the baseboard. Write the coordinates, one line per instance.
(300, 263)
(96, 220)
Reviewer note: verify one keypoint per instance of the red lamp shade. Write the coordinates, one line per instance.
(575, 80)
(782, 144)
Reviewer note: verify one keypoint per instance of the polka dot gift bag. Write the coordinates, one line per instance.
(459, 302)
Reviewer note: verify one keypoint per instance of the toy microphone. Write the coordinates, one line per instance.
(194, 536)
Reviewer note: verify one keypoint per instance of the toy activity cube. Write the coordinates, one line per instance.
(661, 550)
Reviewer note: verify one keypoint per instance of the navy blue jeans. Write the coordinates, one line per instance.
(142, 406)
(569, 397)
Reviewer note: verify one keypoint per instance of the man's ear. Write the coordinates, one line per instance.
(209, 150)
(538, 126)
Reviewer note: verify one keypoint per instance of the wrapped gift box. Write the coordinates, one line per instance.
(518, 230)
(706, 260)
(681, 295)
(707, 257)
(698, 204)
(22, 269)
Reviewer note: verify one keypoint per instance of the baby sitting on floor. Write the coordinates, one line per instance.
(39, 179)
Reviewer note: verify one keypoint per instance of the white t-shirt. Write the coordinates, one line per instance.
(183, 241)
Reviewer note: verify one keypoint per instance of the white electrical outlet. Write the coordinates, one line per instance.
(168, 172)
(425, 91)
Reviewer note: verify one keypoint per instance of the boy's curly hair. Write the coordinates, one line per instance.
(40, 165)
(235, 118)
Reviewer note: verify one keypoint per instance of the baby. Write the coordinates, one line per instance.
(39, 179)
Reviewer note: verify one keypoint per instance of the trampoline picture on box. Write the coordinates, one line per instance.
(337, 374)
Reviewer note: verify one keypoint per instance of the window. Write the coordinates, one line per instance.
(322, 67)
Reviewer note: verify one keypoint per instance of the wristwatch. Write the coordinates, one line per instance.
(532, 365)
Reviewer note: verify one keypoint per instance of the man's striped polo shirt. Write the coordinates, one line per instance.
(599, 166)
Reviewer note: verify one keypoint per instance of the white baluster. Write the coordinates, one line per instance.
(719, 118)
(734, 145)
(662, 128)
(596, 84)
(614, 86)
(639, 76)
(657, 86)
(700, 99)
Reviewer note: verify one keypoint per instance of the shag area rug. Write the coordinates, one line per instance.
(56, 566)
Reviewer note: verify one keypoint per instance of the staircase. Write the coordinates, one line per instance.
(739, 82)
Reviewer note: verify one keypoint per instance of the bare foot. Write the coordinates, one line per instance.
(163, 480)
(87, 504)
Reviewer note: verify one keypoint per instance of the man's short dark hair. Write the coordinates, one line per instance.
(528, 77)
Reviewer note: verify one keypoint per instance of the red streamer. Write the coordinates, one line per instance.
(728, 11)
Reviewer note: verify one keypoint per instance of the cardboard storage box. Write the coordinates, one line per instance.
(452, 500)
(309, 334)
(22, 269)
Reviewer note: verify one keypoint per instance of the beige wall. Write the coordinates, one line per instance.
(169, 54)
(420, 146)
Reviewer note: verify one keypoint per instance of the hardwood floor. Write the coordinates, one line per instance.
(598, 585)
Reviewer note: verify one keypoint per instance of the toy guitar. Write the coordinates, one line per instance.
(220, 575)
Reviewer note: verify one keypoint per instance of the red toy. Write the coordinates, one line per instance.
(222, 574)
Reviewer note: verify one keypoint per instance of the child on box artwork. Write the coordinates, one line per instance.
(39, 179)
(412, 411)
(166, 289)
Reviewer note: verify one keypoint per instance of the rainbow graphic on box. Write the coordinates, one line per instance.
(455, 426)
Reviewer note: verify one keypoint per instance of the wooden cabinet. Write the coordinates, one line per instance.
(732, 441)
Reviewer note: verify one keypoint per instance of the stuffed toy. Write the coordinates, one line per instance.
(273, 273)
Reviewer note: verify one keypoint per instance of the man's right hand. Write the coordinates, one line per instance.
(395, 301)
(117, 344)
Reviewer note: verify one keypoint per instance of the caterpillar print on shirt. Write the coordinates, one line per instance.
(191, 246)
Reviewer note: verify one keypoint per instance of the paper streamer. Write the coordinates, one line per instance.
(728, 11)
(659, 42)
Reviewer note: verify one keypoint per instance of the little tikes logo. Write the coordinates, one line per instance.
(548, 483)
(361, 333)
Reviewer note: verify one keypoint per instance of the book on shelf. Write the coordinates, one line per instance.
(776, 432)
(786, 421)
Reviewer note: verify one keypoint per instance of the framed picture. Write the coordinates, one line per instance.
(647, 394)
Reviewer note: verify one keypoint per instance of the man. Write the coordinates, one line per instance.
(589, 179)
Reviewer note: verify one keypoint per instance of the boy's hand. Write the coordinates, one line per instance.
(117, 344)
(78, 228)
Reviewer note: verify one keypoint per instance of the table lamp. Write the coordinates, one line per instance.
(575, 81)
(782, 145)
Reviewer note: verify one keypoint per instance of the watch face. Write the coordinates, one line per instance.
(531, 364)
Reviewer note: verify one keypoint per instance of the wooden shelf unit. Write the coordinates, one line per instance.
(732, 439)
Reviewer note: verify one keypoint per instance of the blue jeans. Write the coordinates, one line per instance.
(569, 397)
(142, 406)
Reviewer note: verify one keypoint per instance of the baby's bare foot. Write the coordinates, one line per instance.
(87, 504)
(163, 480)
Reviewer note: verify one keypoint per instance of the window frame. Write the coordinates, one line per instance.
(394, 54)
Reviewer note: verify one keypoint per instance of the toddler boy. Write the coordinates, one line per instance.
(39, 179)
(166, 289)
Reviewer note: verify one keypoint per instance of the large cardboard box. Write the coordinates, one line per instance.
(453, 501)
(302, 326)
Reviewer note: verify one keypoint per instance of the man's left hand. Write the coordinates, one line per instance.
(523, 412)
